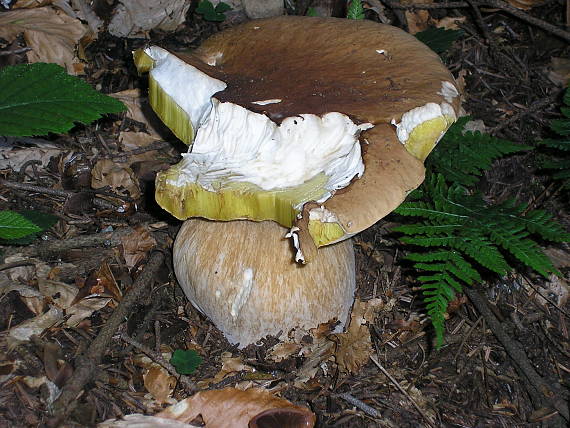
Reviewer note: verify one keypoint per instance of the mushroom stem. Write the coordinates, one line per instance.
(243, 276)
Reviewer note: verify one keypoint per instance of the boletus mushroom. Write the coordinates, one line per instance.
(319, 124)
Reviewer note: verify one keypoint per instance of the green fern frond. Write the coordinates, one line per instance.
(462, 156)
(555, 154)
(461, 235)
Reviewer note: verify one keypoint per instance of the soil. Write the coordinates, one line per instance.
(472, 381)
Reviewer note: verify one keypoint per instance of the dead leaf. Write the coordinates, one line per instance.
(51, 34)
(29, 4)
(63, 296)
(118, 176)
(14, 158)
(136, 245)
(101, 283)
(450, 22)
(354, 347)
(559, 71)
(37, 325)
(418, 20)
(233, 408)
(159, 383)
(139, 109)
(135, 18)
(282, 351)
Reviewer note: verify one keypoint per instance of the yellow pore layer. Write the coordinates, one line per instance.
(243, 201)
(425, 136)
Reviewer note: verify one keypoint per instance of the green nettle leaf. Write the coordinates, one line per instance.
(39, 98)
(185, 361)
(355, 10)
(211, 13)
(14, 225)
(438, 39)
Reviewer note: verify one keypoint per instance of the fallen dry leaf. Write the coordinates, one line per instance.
(139, 109)
(230, 408)
(418, 20)
(37, 325)
(450, 22)
(283, 350)
(14, 158)
(135, 18)
(136, 245)
(51, 34)
(119, 177)
(354, 347)
(64, 296)
(159, 383)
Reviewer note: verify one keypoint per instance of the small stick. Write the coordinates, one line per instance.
(553, 29)
(49, 249)
(549, 391)
(189, 386)
(403, 391)
(86, 364)
(360, 404)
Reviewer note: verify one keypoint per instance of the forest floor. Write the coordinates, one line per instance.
(514, 74)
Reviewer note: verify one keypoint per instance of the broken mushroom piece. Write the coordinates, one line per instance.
(288, 111)
(242, 276)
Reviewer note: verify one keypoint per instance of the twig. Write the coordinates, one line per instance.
(50, 249)
(550, 391)
(189, 386)
(86, 364)
(403, 391)
(499, 4)
(157, 145)
(444, 5)
(360, 404)
(539, 105)
(101, 203)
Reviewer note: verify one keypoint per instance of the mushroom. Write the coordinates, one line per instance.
(241, 274)
(319, 124)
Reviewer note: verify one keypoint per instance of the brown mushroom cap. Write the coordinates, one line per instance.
(242, 276)
(371, 72)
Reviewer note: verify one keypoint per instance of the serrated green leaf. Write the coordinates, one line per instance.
(14, 226)
(211, 13)
(355, 10)
(39, 98)
(438, 39)
(40, 219)
(185, 361)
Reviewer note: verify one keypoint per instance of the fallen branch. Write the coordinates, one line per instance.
(51, 249)
(498, 4)
(550, 391)
(86, 364)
